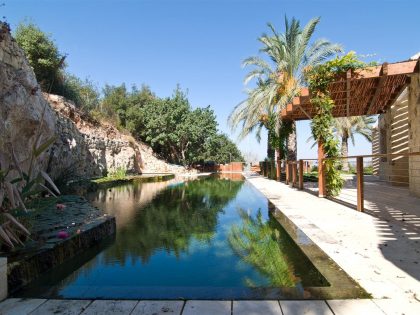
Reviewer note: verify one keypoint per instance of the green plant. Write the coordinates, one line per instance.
(322, 124)
(18, 186)
(368, 170)
(118, 173)
(43, 56)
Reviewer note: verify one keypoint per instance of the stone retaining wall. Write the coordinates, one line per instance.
(25, 270)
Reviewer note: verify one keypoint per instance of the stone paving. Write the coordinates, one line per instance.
(195, 307)
(382, 258)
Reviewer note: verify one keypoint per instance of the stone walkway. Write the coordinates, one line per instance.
(382, 200)
(383, 257)
(132, 307)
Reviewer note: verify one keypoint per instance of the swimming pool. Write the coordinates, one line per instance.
(208, 238)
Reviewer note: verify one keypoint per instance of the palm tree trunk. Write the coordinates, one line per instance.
(270, 149)
(278, 164)
(292, 144)
(345, 152)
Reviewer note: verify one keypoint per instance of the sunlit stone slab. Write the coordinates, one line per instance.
(398, 306)
(158, 308)
(256, 308)
(105, 307)
(305, 308)
(62, 307)
(19, 306)
(207, 308)
(352, 307)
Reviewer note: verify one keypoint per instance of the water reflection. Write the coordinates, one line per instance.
(187, 239)
(164, 216)
(258, 243)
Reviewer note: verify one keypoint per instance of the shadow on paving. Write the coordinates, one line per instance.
(399, 219)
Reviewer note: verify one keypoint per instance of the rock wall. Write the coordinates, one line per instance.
(23, 110)
(87, 148)
(83, 147)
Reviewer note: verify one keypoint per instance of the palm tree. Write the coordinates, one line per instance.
(346, 127)
(280, 79)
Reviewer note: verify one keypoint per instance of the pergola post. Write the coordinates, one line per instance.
(278, 169)
(360, 186)
(294, 174)
(322, 192)
(300, 174)
(287, 173)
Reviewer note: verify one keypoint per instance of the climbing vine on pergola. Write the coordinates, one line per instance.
(318, 79)
(345, 87)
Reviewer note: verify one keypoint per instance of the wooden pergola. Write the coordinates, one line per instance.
(367, 91)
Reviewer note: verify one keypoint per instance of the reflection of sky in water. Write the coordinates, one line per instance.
(171, 235)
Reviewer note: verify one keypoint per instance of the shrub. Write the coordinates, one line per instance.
(43, 56)
(118, 173)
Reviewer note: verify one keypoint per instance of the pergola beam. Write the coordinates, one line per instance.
(360, 92)
(378, 88)
(405, 67)
(348, 89)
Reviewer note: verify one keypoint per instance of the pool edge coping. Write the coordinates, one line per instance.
(340, 281)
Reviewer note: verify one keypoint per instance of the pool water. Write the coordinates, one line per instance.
(208, 238)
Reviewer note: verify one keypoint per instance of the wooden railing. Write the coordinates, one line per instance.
(295, 171)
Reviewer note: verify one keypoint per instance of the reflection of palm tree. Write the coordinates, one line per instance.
(259, 244)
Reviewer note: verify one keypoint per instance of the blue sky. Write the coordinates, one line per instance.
(200, 43)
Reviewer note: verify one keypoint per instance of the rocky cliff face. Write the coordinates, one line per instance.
(83, 147)
(86, 148)
(23, 110)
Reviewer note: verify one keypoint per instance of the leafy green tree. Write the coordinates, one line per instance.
(140, 97)
(115, 103)
(83, 92)
(121, 105)
(158, 122)
(220, 149)
(43, 56)
(199, 126)
(172, 128)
